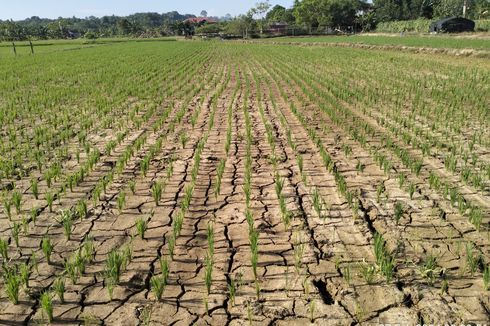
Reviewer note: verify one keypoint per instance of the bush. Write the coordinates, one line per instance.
(482, 25)
(209, 29)
(418, 26)
(90, 36)
(422, 26)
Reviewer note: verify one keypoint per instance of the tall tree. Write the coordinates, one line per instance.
(259, 11)
(326, 13)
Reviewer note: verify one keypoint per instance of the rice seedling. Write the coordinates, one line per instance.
(25, 273)
(219, 176)
(210, 238)
(145, 315)
(171, 246)
(15, 230)
(249, 314)
(428, 269)
(165, 269)
(233, 287)
(141, 226)
(4, 247)
(24, 223)
(7, 207)
(46, 303)
(156, 192)
(367, 271)
(12, 284)
(178, 223)
(299, 161)
(184, 138)
(411, 189)
(346, 273)
(486, 278)
(33, 261)
(399, 210)
(59, 288)
(96, 195)
(34, 212)
(82, 209)
(47, 248)
(66, 221)
(476, 217)
(384, 260)
(49, 201)
(360, 166)
(113, 270)
(145, 165)
(88, 250)
(311, 310)
(126, 252)
(401, 179)
(71, 270)
(132, 186)
(254, 247)
(472, 258)
(35, 188)
(157, 285)
(121, 201)
(319, 205)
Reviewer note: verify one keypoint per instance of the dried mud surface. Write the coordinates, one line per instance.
(323, 286)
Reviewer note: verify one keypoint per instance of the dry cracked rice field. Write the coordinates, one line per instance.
(248, 184)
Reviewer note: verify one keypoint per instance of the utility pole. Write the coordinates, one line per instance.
(465, 4)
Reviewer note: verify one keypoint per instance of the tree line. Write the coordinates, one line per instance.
(305, 16)
(140, 24)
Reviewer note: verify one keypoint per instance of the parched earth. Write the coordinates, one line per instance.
(318, 269)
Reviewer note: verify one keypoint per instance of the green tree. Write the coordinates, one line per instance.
(259, 11)
(481, 9)
(306, 12)
(240, 26)
(280, 14)
(389, 10)
(124, 26)
(327, 13)
(57, 29)
(12, 31)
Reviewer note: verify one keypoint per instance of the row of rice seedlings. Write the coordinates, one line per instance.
(399, 212)
(83, 132)
(253, 233)
(158, 283)
(66, 222)
(415, 166)
(320, 205)
(67, 217)
(208, 265)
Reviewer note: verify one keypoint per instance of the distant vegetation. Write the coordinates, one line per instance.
(421, 25)
(428, 41)
(305, 17)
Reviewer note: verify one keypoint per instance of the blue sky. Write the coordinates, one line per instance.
(20, 9)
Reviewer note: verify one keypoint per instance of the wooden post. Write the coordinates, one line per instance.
(32, 47)
(15, 50)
